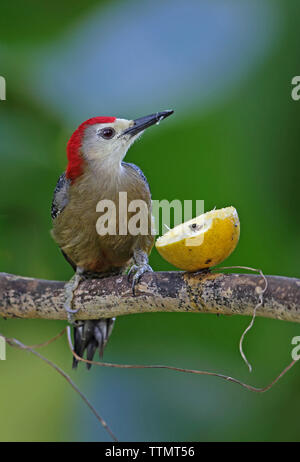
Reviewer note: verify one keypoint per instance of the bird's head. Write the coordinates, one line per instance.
(105, 140)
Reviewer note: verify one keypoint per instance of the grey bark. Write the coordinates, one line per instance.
(229, 294)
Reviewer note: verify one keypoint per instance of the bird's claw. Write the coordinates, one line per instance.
(70, 313)
(136, 272)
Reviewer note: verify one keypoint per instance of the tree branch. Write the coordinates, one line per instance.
(221, 293)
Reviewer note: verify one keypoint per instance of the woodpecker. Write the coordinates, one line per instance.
(95, 172)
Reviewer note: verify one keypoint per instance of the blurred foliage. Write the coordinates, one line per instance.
(243, 152)
(39, 21)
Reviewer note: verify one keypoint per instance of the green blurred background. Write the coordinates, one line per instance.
(225, 67)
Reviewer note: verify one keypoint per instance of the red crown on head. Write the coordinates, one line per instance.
(75, 161)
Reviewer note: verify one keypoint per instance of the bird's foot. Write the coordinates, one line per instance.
(70, 288)
(139, 267)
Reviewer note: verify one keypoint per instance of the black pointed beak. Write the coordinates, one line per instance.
(145, 122)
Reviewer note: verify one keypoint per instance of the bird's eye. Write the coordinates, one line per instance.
(107, 133)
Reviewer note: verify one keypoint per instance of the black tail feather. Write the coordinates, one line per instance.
(90, 351)
(90, 335)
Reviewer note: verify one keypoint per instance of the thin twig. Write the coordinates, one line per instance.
(179, 369)
(16, 343)
(48, 342)
(259, 304)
